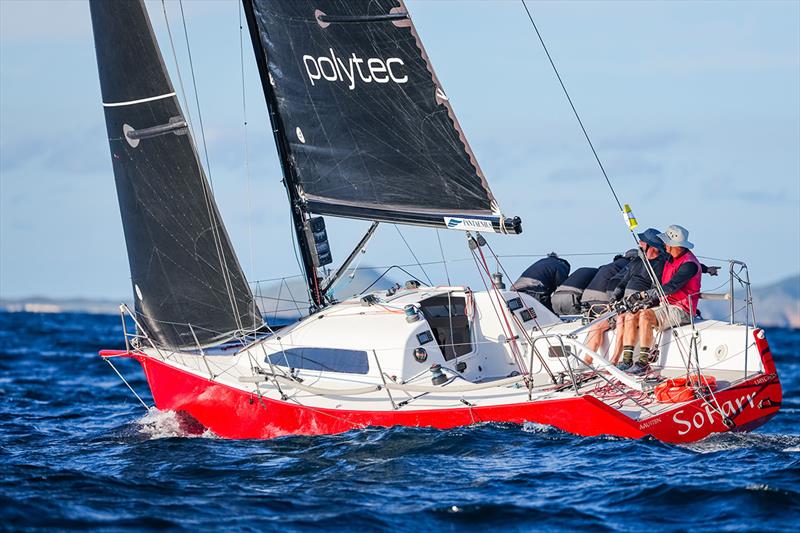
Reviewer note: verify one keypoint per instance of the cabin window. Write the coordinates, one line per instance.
(324, 359)
(447, 317)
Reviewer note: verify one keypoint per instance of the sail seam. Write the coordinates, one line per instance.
(139, 101)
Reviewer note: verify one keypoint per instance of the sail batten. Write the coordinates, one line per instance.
(188, 286)
(367, 125)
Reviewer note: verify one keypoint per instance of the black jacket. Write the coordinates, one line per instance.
(636, 277)
(604, 275)
(543, 276)
(579, 279)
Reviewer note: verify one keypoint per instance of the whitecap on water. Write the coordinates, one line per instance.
(533, 427)
(158, 424)
(734, 441)
(760, 487)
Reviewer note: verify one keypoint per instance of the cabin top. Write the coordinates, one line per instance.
(404, 333)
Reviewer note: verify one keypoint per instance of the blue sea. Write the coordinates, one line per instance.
(78, 451)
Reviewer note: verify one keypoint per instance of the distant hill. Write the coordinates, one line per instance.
(282, 302)
(41, 304)
(776, 305)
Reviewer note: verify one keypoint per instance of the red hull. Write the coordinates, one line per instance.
(236, 414)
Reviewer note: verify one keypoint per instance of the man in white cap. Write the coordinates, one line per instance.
(680, 280)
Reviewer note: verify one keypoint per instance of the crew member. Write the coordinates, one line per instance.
(680, 280)
(598, 292)
(567, 297)
(541, 278)
(635, 277)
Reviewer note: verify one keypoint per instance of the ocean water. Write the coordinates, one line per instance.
(77, 451)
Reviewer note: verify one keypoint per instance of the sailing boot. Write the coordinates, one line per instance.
(642, 366)
(627, 358)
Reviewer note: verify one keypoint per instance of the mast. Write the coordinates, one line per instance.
(297, 207)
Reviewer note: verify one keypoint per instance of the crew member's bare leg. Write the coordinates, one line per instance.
(595, 339)
(618, 334)
(647, 323)
(631, 321)
(631, 328)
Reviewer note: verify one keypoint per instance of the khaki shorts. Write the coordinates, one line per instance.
(670, 315)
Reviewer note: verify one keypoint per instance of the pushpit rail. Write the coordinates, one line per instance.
(623, 378)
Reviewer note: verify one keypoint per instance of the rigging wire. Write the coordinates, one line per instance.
(177, 65)
(413, 254)
(207, 194)
(293, 237)
(510, 337)
(444, 261)
(247, 158)
(196, 95)
(577, 116)
(125, 381)
(648, 266)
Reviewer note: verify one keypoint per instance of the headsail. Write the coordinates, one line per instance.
(368, 128)
(188, 285)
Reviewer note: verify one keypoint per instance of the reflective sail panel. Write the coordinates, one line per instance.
(370, 131)
(188, 285)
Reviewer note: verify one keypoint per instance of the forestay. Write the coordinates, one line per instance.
(368, 128)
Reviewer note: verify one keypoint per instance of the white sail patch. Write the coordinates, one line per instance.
(354, 69)
(466, 224)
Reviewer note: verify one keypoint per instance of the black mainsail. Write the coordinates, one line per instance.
(188, 285)
(362, 123)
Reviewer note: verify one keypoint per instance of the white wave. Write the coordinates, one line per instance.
(761, 487)
(158, 424)
(719, 442)
(533, 427)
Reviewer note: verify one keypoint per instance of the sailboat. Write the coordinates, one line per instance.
(364, 130)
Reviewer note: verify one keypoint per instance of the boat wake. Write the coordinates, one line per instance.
(158, 424)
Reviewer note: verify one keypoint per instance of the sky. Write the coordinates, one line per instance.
(694, 108)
